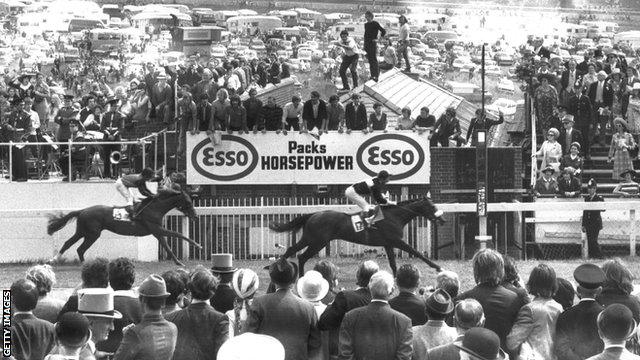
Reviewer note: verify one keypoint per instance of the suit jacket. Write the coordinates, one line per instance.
(375, 331)
(355, 119)
(610, 295)
(430, 335)
(592, 218)
(127, 303)
(543, 52)
(201, 331)
(615, 353)
(307, 113)
(564, 78)
(607, 94)
(576, 136)
(332, 316)
(445, 352)
(33, 338)
(500, 307)
(154, 338)
(48, 309)
(411, 305)
(223, 299)
(577, 331)
(571, 185)
(541, 188)
(289, 319)
(536, 326)
(580, 107)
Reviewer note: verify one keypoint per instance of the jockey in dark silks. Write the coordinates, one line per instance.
(169, 185)
(125, 183)
(373, 187)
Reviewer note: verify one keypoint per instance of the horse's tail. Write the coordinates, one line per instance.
(57, 222)
(292, 225)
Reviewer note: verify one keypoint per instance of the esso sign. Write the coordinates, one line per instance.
(233, 159)
(402, 156)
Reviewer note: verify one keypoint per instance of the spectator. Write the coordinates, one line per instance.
(479, 122)
(568, 80)
(551, 150)
(48, 307)
(479, 343)
(355, 114)
(346, 301)
(250, 347)
(349, 60)
(545, 100)
(447, 127)
(33, 338)
(284, 316)
(236, 116)
(371, 30)
(546, 185)
(621, 143)
(329, 272)
(219, 110)
(449, 282)
(162, 99)
(568, 185)
(569, 135)
(511, 280)
(377, 119)
(390, 57)
(207, 85)
(202, 116)
(576, 328)
(435, 332)
(177, 289)
(565, 293)
(573, 161)
(601, 95)
(231, 81)
(121, 278)
(618, 286)
(534, 331)
(335, 114)
(407, 302)
(94, 274)
(615, 325)
(376, 331)
(187, 111)
(467, 314)
(424, 121)
(245, 283)
(97, 305)
(224, 296)
(93, 121)
(314, 112)
(405, 122)
(633, 109)
(72, 333)
(112, 125)
(154, 337)
(140, 104)
(403, 44)
(500, 305)
(579, 106)
(201, 329)
(271, 118)
(627, 187)
(292, 115)
(253, 106)
(312, 287)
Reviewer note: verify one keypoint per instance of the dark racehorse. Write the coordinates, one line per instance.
(92, 220)
(318, 229)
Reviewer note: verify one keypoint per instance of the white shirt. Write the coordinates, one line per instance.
(404, 32)
(35, 122)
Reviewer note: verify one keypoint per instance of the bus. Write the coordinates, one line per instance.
(201, 18)
(105, 39)
(221, 17)
(597, 29)
(159, 20)
(191, 40)
(289, 17)
(335, 18)
(252, 24)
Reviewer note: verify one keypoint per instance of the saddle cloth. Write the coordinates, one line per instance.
(121, 214)
(358, 221)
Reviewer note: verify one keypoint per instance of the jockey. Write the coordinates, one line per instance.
(139, 181)
(371, 187)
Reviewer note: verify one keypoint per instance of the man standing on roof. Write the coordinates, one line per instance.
(371, 30)
(371, 187)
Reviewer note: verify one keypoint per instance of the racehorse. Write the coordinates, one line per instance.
(92, 220)
(321, 227)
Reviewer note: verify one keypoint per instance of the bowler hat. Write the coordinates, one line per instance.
(222, 263)
(97, 302)
(616, 322)
(603, 73)
(589, 276)
(440, 302)
(283, 271)
(153, 286)
(481, 343)
(72, 329)
(312, 286)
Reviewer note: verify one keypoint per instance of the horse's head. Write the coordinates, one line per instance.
(185, 205)
(429, 209)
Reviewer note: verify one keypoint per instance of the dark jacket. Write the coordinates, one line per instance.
(202, 116)
(254, 111)
(129, 307)
(331, 318)
(411, 305)
(271, 118)
(376, 124)
(571, 185)
(445, 127)
(375, 331)
(564, 78)
(355, 119)
(577, 332)
(576, 136)
(201, 331)
(154, 338)
(592, 218)
(223, 299)
(580, 107)
(307, 113)
(289, 319)
(610, 295)
(478, 123)
(445, 352)
(32, 338)
(607, 94)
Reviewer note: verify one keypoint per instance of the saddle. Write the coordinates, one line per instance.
(129, 213)
(362, 220)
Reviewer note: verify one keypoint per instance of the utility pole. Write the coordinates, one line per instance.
(481, 167)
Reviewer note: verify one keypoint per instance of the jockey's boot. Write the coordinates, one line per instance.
(129, 209)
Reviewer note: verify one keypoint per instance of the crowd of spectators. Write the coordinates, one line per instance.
(180, 314)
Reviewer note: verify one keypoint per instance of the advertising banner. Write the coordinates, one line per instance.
(310, 159)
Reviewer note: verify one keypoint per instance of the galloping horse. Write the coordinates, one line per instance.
(322, 227)
(92, 220)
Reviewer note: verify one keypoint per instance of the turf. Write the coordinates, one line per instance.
(68, 275)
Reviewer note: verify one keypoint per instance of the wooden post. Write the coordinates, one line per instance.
(585, 245)
(632, 233)
(482, 241)
(185, 232)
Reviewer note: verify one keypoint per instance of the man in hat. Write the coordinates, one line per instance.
(435, 332)
(569, 135)
(376, 331)
(97, 305)
(154, 337)
(407, 302)
(546, 184)
(601, 95)
(480, 344)
(224, 295)
(615, 326)
(568, 185)
(467, 315)
(112, 124)
(250, 346)
(576, 330)
(284, 316)
(592, 220)
(33, 338)
(17, 124)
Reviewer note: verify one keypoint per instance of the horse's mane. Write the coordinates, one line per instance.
(411, 201)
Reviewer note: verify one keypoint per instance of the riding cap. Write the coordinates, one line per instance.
(384, 174)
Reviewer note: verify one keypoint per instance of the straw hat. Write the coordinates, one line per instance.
(312, 286)
(98, 303)
(250, 346)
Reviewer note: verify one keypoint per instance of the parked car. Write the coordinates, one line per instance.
(503, 59)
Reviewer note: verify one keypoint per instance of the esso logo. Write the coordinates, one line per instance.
(398, 154)
(233, 159)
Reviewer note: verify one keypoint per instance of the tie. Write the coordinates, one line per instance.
(599, 92)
